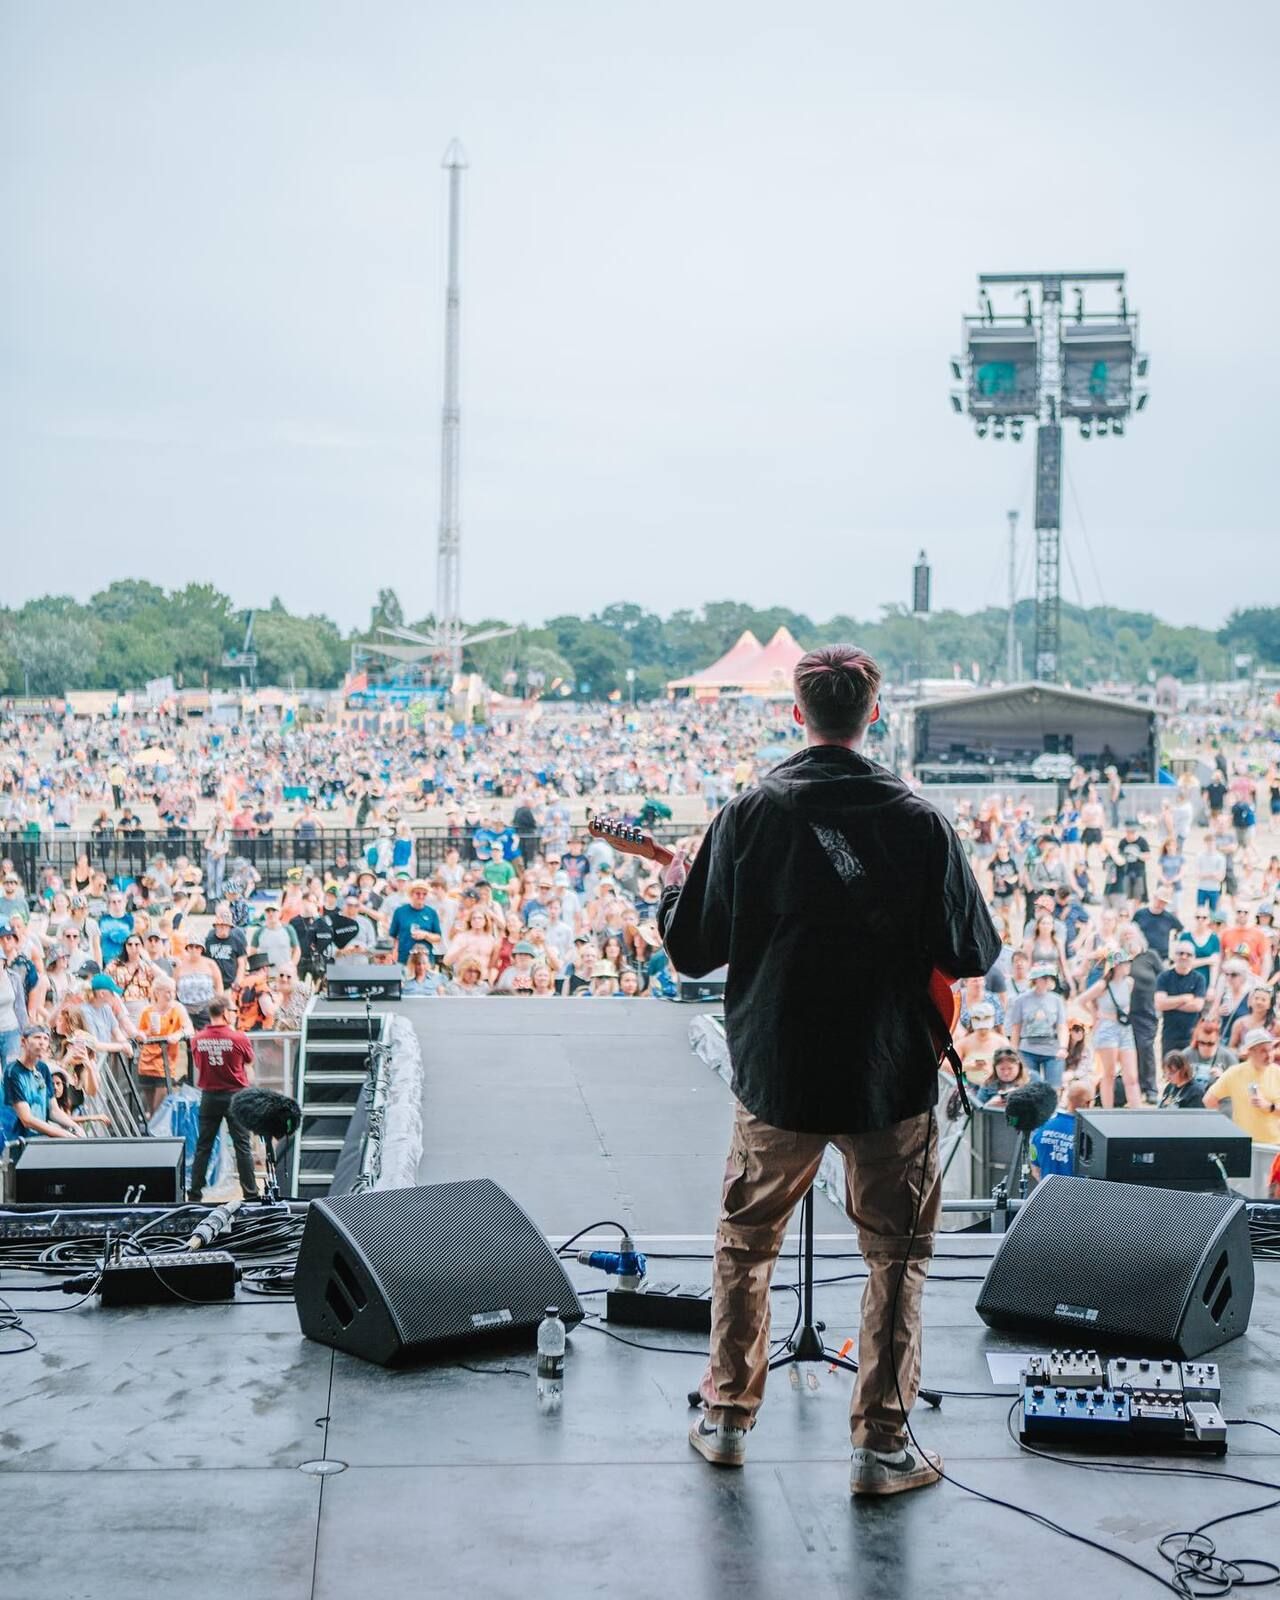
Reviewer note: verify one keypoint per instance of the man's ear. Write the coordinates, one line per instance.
(797, 716)
(875, 715)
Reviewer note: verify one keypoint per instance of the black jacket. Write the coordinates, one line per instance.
(832, 891)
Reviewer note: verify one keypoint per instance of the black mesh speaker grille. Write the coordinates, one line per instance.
(1114, 1261)
(450, 1265)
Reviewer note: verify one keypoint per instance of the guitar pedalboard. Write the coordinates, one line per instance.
(1136, 1405)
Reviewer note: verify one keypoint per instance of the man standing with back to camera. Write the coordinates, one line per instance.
(832, 891)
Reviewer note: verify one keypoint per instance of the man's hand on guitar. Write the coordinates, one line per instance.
(675, 871)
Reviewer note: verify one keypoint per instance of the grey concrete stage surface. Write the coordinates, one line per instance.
(156, 1451)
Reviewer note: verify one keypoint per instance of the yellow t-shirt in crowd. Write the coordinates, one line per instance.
(1262, 1126)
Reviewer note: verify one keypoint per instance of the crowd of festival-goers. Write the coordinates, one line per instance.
(1139, 955)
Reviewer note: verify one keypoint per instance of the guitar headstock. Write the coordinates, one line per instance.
(632, 841)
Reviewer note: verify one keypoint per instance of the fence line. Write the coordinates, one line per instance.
(330, 852)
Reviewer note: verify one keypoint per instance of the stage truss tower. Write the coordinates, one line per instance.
(1044, 363)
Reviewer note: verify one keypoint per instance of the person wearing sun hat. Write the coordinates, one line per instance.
(1037, 1023)
(1113, 1040)
(1253, 1088)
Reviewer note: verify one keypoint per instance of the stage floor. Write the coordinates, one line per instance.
(158, 1449)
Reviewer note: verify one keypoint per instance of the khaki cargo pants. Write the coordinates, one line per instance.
(767, 1173)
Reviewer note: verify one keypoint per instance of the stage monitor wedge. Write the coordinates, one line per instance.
(1120, 1267)
(401, 1275)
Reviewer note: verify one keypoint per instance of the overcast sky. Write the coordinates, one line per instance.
(715, 257)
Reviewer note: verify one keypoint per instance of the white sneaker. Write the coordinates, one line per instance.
(720, 1443)
(876, 1472)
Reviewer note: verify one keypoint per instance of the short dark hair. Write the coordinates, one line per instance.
(218, 1007)
(836, 689)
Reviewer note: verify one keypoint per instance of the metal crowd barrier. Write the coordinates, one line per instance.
(331, 852)
(276, 1059)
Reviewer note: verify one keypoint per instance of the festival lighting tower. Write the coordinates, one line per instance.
(1042, 363)
(443, 644)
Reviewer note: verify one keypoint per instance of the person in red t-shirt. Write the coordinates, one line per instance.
(223, 1060)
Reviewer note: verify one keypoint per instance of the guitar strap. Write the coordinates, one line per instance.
(845, 864)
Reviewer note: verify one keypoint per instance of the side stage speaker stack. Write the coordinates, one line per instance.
(1116, 1265)
(100, 1172)
(362, 980)
(402, 1275)
(1174, 1149)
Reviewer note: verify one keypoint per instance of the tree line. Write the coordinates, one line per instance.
(133, 631)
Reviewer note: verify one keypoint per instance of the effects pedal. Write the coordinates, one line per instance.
(1158, 1412)
(1130, 1372)
(1069, 1369)
(1200, 1381)
(1092, 1418)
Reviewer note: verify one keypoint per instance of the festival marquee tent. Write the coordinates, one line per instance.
(748, 668)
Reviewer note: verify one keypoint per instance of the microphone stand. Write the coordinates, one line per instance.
(806, 1344)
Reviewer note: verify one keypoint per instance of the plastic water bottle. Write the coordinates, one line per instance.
(551, 1337)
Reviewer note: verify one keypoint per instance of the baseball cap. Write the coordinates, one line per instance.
(524, 948)
(1234, 967)
(1006, 1052)
(606, 969)
(982, 1012)
(100, 980)
(1042, 969)
(538, 919)
(1255, 1037)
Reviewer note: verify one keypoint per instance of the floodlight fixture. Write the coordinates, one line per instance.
(998, 428)
(1085, 429)
(1102, 427)
(981, 429)
(1142, 401)
(1117, 424)
(956, 373)
(1141, 366)
(1015, 428)
(957, 405)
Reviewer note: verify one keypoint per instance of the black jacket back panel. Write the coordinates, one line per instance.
(831, 891)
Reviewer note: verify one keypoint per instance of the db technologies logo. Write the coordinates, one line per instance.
(1077, 1313)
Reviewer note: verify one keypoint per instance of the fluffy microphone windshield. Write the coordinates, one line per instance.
(1025, 1109)
(264, 1111)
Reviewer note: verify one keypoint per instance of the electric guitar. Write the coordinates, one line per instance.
(943, 993)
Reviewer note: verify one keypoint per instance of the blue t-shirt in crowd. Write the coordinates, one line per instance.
(113, 932)
(405, 920)
(1178, 1025)
(401, 852)
(1053, 1147)
(32, 1084)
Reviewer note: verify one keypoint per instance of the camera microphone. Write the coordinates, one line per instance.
(1030, 1106)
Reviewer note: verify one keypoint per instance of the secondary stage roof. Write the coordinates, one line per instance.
(1025, 720)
